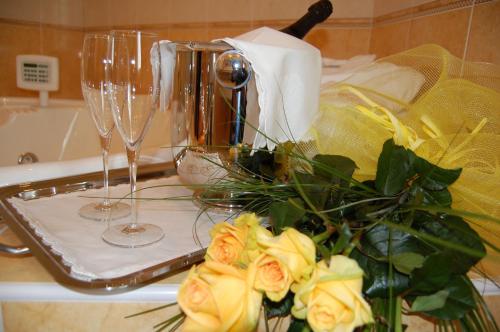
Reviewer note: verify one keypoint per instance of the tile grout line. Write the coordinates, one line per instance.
(401, 16)
(410, 26)
(466, 46)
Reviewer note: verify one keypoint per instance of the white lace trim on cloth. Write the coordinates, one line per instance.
(78, 241)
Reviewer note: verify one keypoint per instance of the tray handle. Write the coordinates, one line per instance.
(12, 250)
(17, 250)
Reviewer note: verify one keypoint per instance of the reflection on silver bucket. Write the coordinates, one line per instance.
(209, 100)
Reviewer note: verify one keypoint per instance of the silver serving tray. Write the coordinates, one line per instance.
(52, 261)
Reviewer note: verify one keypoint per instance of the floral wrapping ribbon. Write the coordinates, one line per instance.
(453, 121)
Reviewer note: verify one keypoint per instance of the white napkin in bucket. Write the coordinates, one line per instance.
(287, 77)
(167, 67)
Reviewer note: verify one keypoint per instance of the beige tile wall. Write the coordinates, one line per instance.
(65, 45)
(383, 7)
(16, 39)
(61, 12)
(22, 38)
(448, 29)
(103, 12)
(349, 33)
(390, 39)
(472, 32)
(340, 43)
(484, 38)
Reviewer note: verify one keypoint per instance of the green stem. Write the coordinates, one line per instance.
(325, 235)
(398, 319)
(308, 202)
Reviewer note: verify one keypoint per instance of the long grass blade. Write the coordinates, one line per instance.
(453, 212)
(151, 310)
(435, 240)
(169, 321)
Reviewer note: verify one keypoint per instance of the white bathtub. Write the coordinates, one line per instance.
(64, 139)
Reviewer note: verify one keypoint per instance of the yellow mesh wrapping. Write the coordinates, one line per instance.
(451, 118)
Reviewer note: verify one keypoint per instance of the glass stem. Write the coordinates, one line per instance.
(105, 143)
(132, 164)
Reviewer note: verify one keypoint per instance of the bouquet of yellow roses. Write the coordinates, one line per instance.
(367, 222)
(245, 262)
(338, 254)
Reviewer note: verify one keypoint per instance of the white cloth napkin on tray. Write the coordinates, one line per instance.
(79, 242)
(287, 77)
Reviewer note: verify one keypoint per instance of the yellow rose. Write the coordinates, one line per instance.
(197, 302)
(251, 223)
(293, 249)
(331, 300)
(271, 277)
(235, 245)
(227, 243)
(219, 297)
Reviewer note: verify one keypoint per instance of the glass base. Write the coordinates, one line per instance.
(99, 211)
(133, 235)
(220, 202)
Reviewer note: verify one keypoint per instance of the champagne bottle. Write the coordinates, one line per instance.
(317, 13)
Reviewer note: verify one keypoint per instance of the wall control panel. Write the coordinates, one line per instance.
(37, 72)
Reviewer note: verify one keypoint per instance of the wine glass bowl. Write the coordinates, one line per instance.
(133, 76)
(94, 89)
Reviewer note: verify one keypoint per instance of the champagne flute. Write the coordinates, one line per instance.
(93, 82)
(133, 75)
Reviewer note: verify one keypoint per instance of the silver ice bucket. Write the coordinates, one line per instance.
(209, 98)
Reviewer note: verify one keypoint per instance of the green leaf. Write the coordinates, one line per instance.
(460, 300)
(422, 196)
(456, 231)
(394, 168)
(433, 177)
(286, 214)
(298, 325)
(335, 169)
(279, 309)
(407, 261)
(437, 241)
(373, 259)
(375, 242)
(345, 236)
(438, 197)
(314, 188)
(434, 274)
(260, 163)
(455, 212)
(430, 302)
(376, 280)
